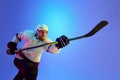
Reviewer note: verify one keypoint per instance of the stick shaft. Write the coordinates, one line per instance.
(51, 43)
(46, 44)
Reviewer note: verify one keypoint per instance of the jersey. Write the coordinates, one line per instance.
(30, 40)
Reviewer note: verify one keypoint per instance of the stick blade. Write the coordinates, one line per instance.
(98, 27)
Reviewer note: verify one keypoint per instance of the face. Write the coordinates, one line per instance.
(42, 34)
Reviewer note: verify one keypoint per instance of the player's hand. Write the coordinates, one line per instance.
(62, 41)
(11, 48)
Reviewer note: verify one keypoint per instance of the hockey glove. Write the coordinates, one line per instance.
(62, 42)
(12, 46)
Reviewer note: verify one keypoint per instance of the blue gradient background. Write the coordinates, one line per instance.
(94, 58)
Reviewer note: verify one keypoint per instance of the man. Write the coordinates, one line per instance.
(27, 61)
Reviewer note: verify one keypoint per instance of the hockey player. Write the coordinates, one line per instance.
(27, 61)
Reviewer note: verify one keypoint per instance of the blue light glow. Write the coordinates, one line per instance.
(94, 58)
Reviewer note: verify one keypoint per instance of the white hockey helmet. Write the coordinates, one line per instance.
(42, 27)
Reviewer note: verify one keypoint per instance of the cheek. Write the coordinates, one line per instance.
(45, 34)
(40, 35)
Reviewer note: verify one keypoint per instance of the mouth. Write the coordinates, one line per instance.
(43, 38)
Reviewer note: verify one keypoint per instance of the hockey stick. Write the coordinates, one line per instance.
(98, 27)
